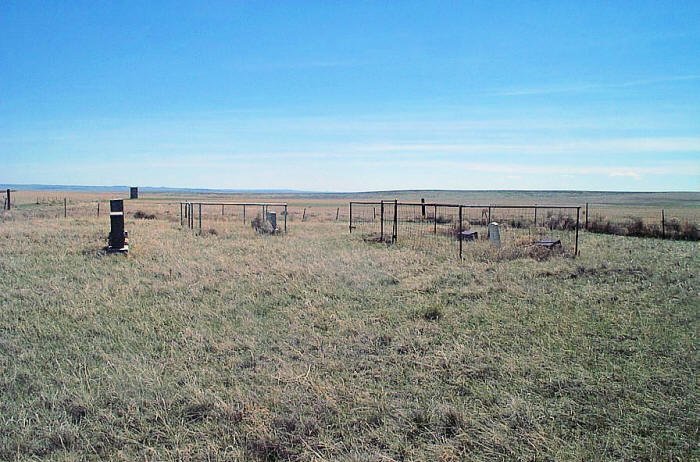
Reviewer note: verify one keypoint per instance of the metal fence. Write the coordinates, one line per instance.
(196, 215)
(435, 225)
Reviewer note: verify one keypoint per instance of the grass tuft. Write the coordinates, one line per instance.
(141, 215)
(433, 313)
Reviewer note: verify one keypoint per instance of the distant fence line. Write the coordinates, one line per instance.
(428, 224)
(642, 221)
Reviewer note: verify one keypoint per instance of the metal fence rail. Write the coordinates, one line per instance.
(433, 225)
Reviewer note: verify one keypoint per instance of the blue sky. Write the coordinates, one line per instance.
(349, 96)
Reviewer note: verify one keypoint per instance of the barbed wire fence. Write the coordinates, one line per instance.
(204, 217)
(643, 220)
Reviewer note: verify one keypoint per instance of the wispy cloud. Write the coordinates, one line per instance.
(581, 146)
(520, 169)
(592, 87)
(629, 174)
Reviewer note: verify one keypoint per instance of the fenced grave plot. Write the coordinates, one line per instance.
(428, 226)
(539, 224)
(433, 226)
(225, 217)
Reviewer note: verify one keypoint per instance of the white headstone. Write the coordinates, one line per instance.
(494, 234)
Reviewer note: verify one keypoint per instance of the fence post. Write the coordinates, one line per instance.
(422, 207)
(586, 225)
(285, 218)
(65, 207)
(435, 219)
(180, 212)
(222, 210)
(396, 221)
(303, 215)
(381, 221)
(663, 224)
(337, 214)
(535, 215)
(350, 221)
(374, 214)
(244, 214)
(9, 197)
(460, 232)
(578, 213)
(98, 210)
(200, 218)
(489, 214)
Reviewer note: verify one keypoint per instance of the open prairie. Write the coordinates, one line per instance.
(352, 231)
(317, 345)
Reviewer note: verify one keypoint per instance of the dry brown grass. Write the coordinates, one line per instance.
(319, 346)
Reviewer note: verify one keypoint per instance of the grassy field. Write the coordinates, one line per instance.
(319, 346)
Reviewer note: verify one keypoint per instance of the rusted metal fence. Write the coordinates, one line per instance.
(432, 225)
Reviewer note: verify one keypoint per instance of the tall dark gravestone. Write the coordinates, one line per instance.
(117, 234)
(133, 192)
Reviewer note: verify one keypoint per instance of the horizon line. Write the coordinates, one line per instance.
(303, 191)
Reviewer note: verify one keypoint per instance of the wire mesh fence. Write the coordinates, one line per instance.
(269, 218)
(436, 226)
